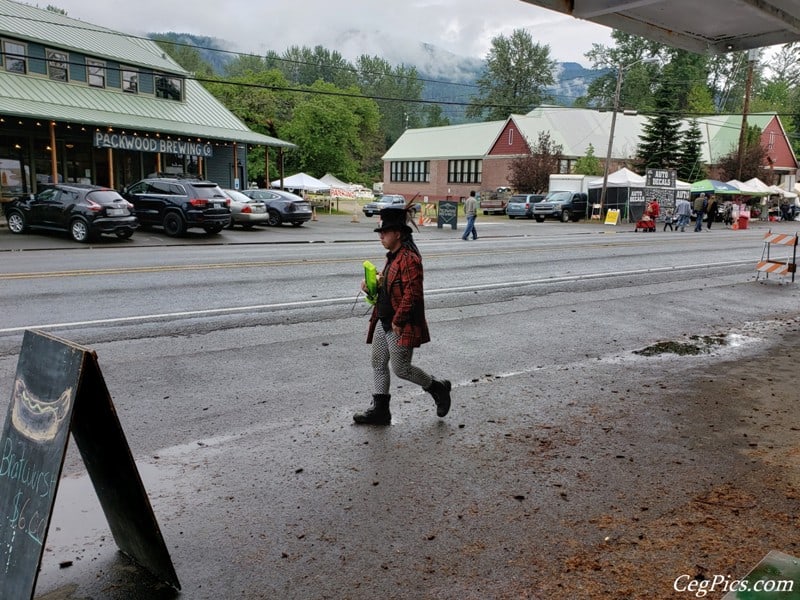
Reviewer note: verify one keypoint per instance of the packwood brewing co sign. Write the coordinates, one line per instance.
(146, 144)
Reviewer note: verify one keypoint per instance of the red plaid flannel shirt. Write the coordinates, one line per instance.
(403, 282)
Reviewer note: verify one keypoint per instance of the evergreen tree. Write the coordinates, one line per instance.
(690, 165)
(661, 136)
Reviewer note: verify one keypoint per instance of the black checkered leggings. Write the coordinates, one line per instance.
(385, 350)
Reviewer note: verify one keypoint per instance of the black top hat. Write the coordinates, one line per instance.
(394, 218)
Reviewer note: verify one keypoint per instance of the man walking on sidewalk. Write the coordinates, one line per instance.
(471, 211)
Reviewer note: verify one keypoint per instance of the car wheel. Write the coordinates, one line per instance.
(368, 214)
(16, 222)
(124, 234)
(540, 219)
(79, 230)
(247, 226)
(486, 212)
(213, 229)
(274, 218)
(174, 225)
(510, 216)
(564, 216)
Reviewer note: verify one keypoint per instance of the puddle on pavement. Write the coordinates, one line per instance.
(79, 540)
(79, 534)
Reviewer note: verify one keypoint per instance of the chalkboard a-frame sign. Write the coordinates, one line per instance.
(59, 389)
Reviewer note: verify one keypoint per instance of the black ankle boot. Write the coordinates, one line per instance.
(440, 390)
(378, 412)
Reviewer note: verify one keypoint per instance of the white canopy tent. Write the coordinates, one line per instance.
(757, 184)
(750, 189)
(621, 178)
(302, 181)
(340, 189)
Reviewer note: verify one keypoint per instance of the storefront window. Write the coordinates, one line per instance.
(42, 163)
(14, 173)
(77, 160)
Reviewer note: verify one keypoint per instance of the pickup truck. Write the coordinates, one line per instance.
(388, 201)
(495, 202)
(562, 205)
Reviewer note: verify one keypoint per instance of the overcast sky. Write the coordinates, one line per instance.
(352, 27)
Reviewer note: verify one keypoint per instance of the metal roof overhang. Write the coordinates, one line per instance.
(42, 99)
(30, 109)
(708, 26)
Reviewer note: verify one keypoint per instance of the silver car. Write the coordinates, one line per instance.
(521, 205)
(246, 211)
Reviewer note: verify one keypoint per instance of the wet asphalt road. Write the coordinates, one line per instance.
(267, 491)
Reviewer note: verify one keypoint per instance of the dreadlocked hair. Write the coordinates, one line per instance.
(408, 240)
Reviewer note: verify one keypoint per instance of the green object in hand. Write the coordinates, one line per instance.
(371, 279)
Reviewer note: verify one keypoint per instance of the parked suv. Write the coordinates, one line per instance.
(178, 204)
(521, 205)
(83, 210)
(565, 206)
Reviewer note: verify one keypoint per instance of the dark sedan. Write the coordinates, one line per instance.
(282, 207)
(84, 211)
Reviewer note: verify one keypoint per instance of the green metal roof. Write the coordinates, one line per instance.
(41, 98)
(199, 115)
(25, 22)
(572, 128)
(468, 140)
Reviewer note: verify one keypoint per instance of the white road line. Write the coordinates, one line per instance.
(333, 301)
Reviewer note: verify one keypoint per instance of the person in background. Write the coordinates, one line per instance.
(653, 210)
(669, 219)
(398, 324)
(712, 211)
(471, 211)
(700, 205)
(683, 211)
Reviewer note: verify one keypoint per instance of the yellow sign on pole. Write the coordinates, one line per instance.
(612, 217)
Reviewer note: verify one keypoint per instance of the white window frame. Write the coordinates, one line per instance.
(95, 73)
(12, 55)
(57, 62)
(130, 81)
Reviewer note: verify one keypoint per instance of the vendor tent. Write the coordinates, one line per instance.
(302, 181)
(746, 189)
(756, 183)
(340, 189)
(622, 178)
(779, 191)
(713, 186)
(624, 192)
(334, 182)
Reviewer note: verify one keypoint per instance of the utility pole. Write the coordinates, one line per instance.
(752, 55)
